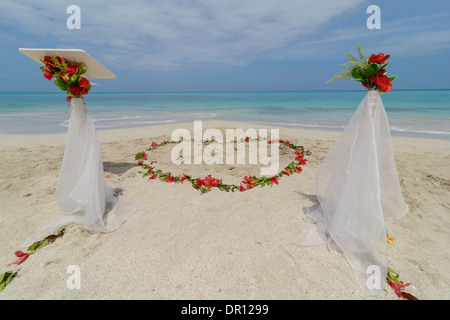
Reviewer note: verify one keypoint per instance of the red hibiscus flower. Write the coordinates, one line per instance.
(381, 72)
(170, 178)
(208, 182)
(74, 89)
(241, 188)
(71, 68)
(274, 179)
(22, 257)
(49, 62)
(86, 90)
(48, 74)
(183, 178)
(249, 182)
(286, 172)
(384, 83)
(83, 82)
(378, 58)
(153, 176)
(154, 144)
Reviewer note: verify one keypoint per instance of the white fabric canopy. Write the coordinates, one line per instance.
(358, 188)
(81, 192)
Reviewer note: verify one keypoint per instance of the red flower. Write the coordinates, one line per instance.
(48, 74)
(72, 69)
(378, 58)
(397, 287)
(140, 163)
(154, 144)
(208, 182)
(83, 82)
(74, 89)
(241, 188)
(49, 62)
(286, 172)
(170, 178)
(249, 182)
(274, 179)
(153, 176)
(22, 257)
(183, 178)
(298, 169)
(384, 83)
(144, 155)
(298, 155)
(381, 72)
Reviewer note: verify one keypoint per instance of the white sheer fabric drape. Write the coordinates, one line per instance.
(358, 188)
(81, 192)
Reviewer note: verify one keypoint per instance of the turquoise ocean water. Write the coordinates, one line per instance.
(417, 113)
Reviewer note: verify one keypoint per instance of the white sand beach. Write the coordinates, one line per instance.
(181, 244)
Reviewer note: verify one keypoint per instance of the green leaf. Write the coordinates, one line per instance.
(6, 278)
(34, 246)
(357, 73)
(61, 85)
(392, 78)
(368, 70)
(74, 78)
(43, 244)
(10, 278)
(376, 67)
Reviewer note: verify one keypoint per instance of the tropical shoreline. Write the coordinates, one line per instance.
(180, 244)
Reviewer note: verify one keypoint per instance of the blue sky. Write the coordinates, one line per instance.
(227, 45)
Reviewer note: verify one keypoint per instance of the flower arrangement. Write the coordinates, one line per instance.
(68, 76)
(206, 184)
(370, 72)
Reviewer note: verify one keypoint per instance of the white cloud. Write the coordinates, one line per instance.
(173, 34)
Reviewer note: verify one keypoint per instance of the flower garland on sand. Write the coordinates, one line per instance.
(6, 277)
(206, 184)
(68, 76)
(370, 72)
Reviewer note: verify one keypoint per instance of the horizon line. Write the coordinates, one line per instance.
(227, 91)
